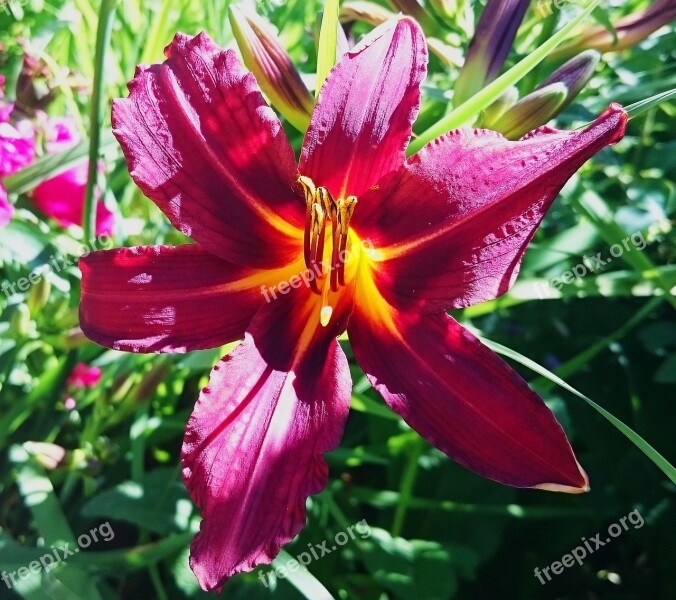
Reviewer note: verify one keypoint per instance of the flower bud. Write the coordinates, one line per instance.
(34, 90)
(38, 295)
(20, 321)
(630, 30)
(531, 111)
(574, 74)
(268, 60)
(489, 47)
(508, 99)
(368, 12)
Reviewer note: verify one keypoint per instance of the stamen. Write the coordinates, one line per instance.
(322, 209)
(309, 192)
(344, 214)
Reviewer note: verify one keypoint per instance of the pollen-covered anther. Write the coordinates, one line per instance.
(323, 210)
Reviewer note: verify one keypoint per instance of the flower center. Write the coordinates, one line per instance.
(324, 212)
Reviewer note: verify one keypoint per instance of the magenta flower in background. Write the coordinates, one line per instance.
(17, 149)
(394, 242)
(83, 375)
(62, 196)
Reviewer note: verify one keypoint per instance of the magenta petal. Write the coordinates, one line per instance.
(253, 446)
(17, 146)
(361, 124)
(451, 226)
(62, 198)
(465, 400)
(166, 299)
(201, 142)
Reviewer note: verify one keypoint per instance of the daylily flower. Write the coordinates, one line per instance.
(62, 196)
(393, 241)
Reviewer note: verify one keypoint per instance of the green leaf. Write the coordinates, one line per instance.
(300, 578)
(328, 41)
(158, 503)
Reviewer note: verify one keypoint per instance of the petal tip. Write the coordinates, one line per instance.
(572, 488)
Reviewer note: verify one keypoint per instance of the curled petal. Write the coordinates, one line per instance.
(201, 142)
(463, 398)
(167, 299)
(361, 124)
(253, 446)
(450, 228)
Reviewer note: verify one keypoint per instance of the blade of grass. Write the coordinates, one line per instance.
(662, 463)
(472, 107)
(328, 40)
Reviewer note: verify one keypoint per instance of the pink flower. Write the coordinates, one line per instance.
(62, 196)
(17, 149)
(84, 376)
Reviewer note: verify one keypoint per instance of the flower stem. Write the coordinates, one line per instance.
(105, 26)
(406, 488)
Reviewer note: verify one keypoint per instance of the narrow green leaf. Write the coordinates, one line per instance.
(49, 166)
(300, 578)
(464, 113)
(650, 452)
(638, 108)
(328, 40)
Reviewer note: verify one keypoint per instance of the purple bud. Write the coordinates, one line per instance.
(490, 46)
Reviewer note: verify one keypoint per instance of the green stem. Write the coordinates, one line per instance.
(103, 33)
(406, 489)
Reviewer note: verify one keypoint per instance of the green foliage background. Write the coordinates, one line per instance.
(438, 531)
